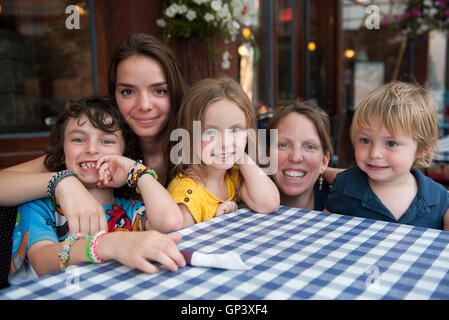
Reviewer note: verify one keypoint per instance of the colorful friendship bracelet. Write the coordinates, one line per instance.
(131, 172)
(64, 253)
(132, 181)
(87, 250)
(91, 247)
(141, 172)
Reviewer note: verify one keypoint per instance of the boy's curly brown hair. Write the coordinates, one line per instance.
(103, 114)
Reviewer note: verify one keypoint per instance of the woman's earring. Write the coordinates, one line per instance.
(321, 183)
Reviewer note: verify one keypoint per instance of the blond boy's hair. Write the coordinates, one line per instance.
(404, 107)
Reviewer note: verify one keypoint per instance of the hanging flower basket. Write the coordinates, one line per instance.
(421, 16)
(206, 20)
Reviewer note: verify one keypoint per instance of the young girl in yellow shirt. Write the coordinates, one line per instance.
(218, 114)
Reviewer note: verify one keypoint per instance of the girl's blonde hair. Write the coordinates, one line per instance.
(404, 107)
(193, 108)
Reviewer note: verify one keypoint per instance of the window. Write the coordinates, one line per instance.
(285, 27)
(298, 53)
(372, 57)
(43, 63)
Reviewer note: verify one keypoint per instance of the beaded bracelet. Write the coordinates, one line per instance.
(143, 171)
(64, 253)
(57, 177)
(91, 247)
(131, 172)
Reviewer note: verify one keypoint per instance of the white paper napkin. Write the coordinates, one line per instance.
(229, 260)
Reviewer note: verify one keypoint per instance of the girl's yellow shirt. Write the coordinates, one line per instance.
(200, 202)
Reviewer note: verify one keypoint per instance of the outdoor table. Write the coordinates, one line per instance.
(292, 254)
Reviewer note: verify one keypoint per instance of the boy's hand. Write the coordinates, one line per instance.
(83, 212)
(137, 249)
(113, 171)
(226, 207)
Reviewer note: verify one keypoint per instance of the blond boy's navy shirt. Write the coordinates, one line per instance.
(351, 195)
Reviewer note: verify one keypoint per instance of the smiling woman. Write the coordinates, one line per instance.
(304, 149)
(147, 84)
(145, 105)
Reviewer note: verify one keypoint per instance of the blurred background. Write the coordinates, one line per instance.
(332, 52)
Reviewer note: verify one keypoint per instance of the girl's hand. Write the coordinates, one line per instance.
(113, 171)
(135, 249)
(83, 212)
(241, 159)
(257, 190)
(226, 207)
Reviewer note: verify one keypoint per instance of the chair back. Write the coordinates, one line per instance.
(336, 130)
(7, 223)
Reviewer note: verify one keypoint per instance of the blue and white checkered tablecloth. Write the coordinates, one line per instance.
(293, 254)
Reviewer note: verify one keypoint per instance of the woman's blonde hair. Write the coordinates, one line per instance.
(193, 108)
(404, 107)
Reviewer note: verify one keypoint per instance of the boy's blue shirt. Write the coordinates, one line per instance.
(352, 195)
(41, 219)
